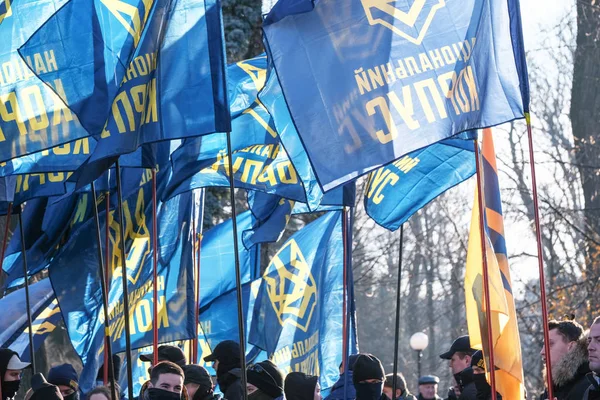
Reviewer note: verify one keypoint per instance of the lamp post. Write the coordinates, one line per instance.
(419, 342)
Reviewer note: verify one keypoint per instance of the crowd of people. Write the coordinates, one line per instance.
(574, 355)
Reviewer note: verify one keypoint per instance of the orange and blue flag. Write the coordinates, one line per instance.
(505, 332)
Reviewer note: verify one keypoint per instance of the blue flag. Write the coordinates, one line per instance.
(45, 314)
(33, 116)
(298, 314)
(79, 293)
(271, 215)
(372, 80)
(398, 190)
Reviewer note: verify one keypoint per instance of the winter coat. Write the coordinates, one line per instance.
(406, 396)
(422, 398)
(337, 391)
(593, 391)
(569, 374)
(468, 390)
(230, 384)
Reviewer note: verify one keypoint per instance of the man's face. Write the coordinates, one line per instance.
(12, 375)
(457, 364)
(428, 391)
(388, 392)
(559, 347)
(216, 365)
(317, 395)
(250, 388)
(192, 388)
(65, 390)
(594, 348)
(169, 382)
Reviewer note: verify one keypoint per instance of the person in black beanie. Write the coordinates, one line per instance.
(11, 367)
(226, 361)
(198, 383)
(42, 390)
(265, 381)
(368, 377)
(299, 386)
(484, 390)
(65, 377)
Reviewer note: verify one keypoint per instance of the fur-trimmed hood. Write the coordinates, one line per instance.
(572, 366)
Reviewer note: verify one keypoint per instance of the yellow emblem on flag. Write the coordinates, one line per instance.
(404, 22)
(5, 11)
(291, 287)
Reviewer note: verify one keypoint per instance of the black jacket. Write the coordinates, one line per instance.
(468, 391)
(569, 374)
(592, 392)
(230, 384)
(436, 397)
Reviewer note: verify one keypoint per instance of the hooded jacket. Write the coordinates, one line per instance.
(5, 357)
(230, 384)
(593, 391)
(569, 374)
(337, 391)
(468, 390)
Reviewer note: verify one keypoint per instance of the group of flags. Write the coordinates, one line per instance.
(396, 90)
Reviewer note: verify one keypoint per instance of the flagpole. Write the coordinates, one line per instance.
(198, 269)
(486, 282)
(194, 342)
(107, 341)
(154, 271)
(6, 228)
(126, 313)
(397, 326)
(25, 276)
(238, 274)
(345, 302)
(106, 276)
(538, 236)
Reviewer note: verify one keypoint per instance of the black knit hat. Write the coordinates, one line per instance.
(367, 366)
(64, 375)
(42, 390)
(267, 377)
(116, 362)
(400, 381)
(198, 375)
(299, 386)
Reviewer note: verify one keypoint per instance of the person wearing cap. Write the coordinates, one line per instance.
(484, 390)
(428, 387)
(65, 377)
(402, 392)
(368, 377)
(338, 392)
(11, 367)
(167, 353)
(226, 361)
(459, 356)
(299, 386)
(43, 390)
(198, 383)
(265, 381)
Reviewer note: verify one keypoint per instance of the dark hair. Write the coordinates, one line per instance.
(99, 390)
(400, 381)
(571, 331)
(165, 367)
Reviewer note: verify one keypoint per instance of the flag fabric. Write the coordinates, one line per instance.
(45, 314)
(119, 63)
(398, 190)
(373, 80)
(33, 116)
(78, 289)
(505, 332)
(271, 215)
(298, 315)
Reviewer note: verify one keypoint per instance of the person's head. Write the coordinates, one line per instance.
(11, 368)
(388, 385)
(563, 337)
(477, 363)
(299, 386)
(428, 386)
(368, 377)
(166, 377)
(65, 377)
(42, 390)
(99, 393)
(225, 357)
(197, 382)
(351, 360)
(167, 353)
(266, 378)
(594, 346)
(459, 354)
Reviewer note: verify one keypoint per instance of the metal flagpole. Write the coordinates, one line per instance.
(108, 365)
(193, 350)
(6, 227)
(154, 271)
(538, 236)
(486, 283)
(397, 327)
(345, 298)
(126, 313)
(25, 273)
(238, 275)
(106, 276)
(198, 270)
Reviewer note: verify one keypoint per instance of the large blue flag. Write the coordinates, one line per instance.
(45, 314)
(398, 190)
(368, 81)
(79, 293)
(33, 115)
(298, 317)
(148, 72)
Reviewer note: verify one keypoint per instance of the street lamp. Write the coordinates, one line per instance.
(419, 342)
